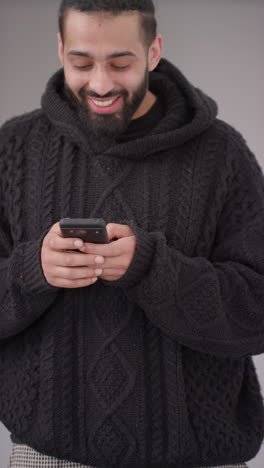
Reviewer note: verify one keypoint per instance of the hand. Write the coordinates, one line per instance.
(117, 255)
(67, 269)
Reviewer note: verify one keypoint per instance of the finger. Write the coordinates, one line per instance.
(111, 272)
(76, 273)
(110, 277)
(118, 263)
(72, 259)
(73, 284)
(55, 242)
(113, 249)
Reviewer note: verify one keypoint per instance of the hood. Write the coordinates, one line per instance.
(197, 113)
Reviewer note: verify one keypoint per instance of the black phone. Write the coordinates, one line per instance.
(88, 229)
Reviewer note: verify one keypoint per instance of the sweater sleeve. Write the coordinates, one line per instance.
(24, 292)
(213, 305)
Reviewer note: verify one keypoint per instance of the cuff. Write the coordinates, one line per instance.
(26, 269)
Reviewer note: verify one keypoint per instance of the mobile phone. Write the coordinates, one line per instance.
(87, 229)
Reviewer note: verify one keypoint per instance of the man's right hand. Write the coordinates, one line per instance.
(68, 269)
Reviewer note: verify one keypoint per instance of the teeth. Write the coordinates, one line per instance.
(104, 103)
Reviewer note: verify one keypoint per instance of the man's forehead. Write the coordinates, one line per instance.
(101, 18)
(93, 35)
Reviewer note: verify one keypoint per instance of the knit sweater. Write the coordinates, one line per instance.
(154, 369)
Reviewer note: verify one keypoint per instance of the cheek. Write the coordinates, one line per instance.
(131, 81)
(75, 80)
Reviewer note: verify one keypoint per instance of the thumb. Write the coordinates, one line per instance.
(119, 231)
(55, 229)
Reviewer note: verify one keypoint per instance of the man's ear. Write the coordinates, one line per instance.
(155, 52)
(60, 48)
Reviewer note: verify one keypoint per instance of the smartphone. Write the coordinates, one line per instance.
(87, 229)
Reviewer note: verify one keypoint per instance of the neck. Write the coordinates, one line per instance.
(147, 103)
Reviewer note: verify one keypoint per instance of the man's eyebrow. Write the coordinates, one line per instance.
(124, 53)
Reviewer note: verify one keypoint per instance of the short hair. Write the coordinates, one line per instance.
(145, 8)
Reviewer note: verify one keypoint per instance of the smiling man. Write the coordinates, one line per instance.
(108, 79)
(137, 352)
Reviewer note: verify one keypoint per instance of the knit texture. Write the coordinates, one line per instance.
(154, 369)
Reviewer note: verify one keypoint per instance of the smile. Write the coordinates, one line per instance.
(104, 103)
(106, 107)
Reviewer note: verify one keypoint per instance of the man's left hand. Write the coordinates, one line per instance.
(116, 256)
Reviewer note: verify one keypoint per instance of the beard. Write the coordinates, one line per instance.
(108, 125)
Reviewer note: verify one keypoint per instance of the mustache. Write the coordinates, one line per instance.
(84, 93)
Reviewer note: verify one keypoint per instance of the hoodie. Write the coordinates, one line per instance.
(154, 369)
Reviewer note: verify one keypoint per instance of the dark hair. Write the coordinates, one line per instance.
(145, 8)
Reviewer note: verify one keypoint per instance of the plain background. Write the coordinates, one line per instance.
(217, 44)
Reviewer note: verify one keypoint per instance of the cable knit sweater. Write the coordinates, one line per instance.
(153, 369)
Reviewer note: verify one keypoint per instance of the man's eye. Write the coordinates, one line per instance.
(87, 67)
(120, 68)
(82, 67)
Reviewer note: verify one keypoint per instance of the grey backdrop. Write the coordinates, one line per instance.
(217, 44)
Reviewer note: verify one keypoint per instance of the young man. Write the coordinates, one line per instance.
(138, 352)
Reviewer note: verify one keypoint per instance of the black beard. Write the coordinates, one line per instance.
(108, 126)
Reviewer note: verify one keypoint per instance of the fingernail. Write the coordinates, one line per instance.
(78, 243)
(94, 280)
(98, 271)
(99, 260)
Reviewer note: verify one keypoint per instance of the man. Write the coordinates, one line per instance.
(137, 352)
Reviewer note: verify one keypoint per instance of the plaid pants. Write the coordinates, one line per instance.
(25, 457)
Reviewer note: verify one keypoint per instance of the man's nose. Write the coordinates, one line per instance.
(100, 82)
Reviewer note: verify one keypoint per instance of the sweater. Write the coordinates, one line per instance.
(154, 369)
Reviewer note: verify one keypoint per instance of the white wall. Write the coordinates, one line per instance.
(217, 44)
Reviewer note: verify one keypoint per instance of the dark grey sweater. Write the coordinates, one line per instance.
(154, 369)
